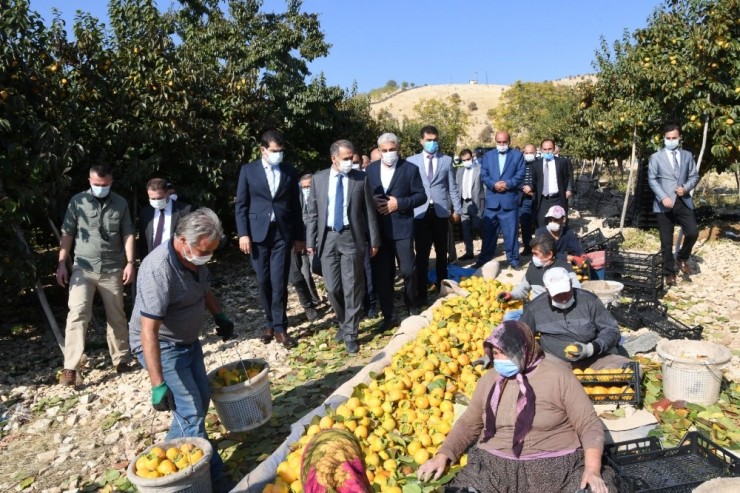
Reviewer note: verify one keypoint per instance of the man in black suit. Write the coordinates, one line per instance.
(269, 223)
(300, 275)
(397, 189)
(552, 182)
(340, 220)
(159, 219)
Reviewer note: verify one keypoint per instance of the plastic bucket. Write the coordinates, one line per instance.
(193, 479)
(607, 291)
(245, 405)
(692, 370)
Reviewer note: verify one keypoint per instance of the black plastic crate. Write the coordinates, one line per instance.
(592, 242)
(613, 242)
(625, 316)
(641, 273)
(642, 466)
(628, 380)
(669, 327)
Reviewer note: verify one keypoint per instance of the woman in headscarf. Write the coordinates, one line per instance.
(536, 428)
(332, 463)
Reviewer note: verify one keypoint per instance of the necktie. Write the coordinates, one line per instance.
(546, 181)
(676, 167)
(271, 178)
(339, 205)
(430, 169)
(160, 230)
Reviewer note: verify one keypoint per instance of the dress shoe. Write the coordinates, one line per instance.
(68, 377)
(124, 368)
(527, 252)
(311, 314)
(284, 339)
(372, 312)
(352, 347)
(413, 310)
(684, 266)
(267, 335)
(388, 323)
(670, 279)
(467, 256)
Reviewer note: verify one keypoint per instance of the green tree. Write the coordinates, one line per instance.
(532, 111)
(447, 116)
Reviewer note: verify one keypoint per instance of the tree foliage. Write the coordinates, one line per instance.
(532, 111)
(450, 119)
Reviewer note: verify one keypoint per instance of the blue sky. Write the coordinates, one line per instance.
(447, 41)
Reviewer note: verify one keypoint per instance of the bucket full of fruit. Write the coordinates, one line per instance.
(178, 466)
(240, 391)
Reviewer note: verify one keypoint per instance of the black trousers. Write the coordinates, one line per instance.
(302, 280)
(684, 217)
(271, 262)
(428, 231)
(384, 273)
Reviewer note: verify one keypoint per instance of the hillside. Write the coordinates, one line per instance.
(485, 96)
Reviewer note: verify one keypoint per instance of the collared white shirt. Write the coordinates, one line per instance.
(272, 173)
(467, 182)
(332, 194)
(552, 177)
(386, 175)
(670, 156)
(167, 222)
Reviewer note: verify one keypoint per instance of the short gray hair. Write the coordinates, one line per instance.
(200, 224)
(388, 137)
(341, 144)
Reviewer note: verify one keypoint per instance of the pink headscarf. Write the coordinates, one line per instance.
(516, 340)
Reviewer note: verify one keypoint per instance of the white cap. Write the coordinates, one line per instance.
(557, 281)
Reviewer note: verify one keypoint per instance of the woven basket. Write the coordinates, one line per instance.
(245, 405)
(194, 479)
(692, 370)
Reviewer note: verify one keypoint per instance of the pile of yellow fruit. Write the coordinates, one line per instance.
(612, 392)
(405, 413)
(240, 373)
(158, 462)
(604, 375)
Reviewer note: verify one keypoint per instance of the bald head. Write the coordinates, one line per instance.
(502, 137)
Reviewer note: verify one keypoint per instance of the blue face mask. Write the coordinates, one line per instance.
(670, 144)
(548, 156)
(505, 367)
(431, 146)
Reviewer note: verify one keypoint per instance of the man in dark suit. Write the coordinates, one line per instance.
(300, 275)
(432, 218)
(340, 220)
(159, 219)
(526, 219)
(472, 196)
(269, 223)
(552, 182)
(672, 174)
(397, 189)
(502, 173)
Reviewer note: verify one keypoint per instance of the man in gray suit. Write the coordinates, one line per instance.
(472, 197)
(431, 219)
(340, 219)
(672, 175)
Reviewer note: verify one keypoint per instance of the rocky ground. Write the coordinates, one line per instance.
(57, 439)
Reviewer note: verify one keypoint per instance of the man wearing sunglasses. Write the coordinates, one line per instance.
(98, 223)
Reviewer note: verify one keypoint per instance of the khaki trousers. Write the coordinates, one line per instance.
(82, 287)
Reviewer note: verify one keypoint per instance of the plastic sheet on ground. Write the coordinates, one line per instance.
(255, 481)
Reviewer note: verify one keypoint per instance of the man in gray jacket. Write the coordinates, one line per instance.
(564, 316)
(672, 174)
(431, 219)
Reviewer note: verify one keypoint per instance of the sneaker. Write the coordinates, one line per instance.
(124, 368)
(68, 377)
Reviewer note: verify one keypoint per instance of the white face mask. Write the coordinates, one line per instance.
(502, 147)
(173, 196)
(563, 306)
(100, 192)
(195, 260)
(537, 262)
(468, 164)
(274, 158)
(356, 166)
(158, 204)
(390, 158)
(306, 191)
(554, 227)
(345, 166)
(528, 157)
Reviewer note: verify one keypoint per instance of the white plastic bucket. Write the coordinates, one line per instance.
(607, 291)
(692, 370)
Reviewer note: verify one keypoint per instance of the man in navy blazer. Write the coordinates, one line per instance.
(502, 172)
(269, 222)
(431, 219)
(397, 189)
(672, 174)
(161, 208)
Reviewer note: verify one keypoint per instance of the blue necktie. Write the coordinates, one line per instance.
(339, 205)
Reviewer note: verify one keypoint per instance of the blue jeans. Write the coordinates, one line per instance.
(184, 372)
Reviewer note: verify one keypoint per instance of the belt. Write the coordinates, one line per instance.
(551, 196)
(467, 200)
(329, 229)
